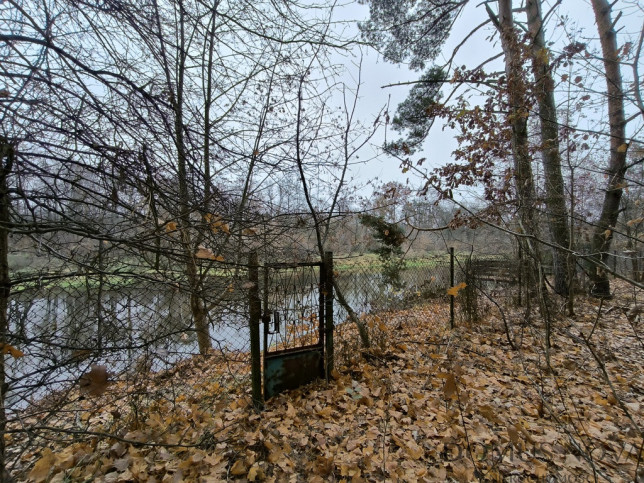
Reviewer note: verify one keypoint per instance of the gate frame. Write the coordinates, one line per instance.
(325, 328)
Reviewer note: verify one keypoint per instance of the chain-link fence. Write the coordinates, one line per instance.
(96, 351)
(628, 263)
(89, 356)
(479, 281)
(364, 287)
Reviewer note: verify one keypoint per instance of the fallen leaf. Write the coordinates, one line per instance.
(290, 411)
(514, 436)
(117, 450)
(43, 466)
(526, 434)
(286, 464)
(95, 381)
(438, 474)
(275, 452)
(256, 473)
(449, 389)
(65, 459)
(463, 470)
(350, 469)
(413, 450)
(125, 477)
(122, 464)
(540, 468)
(136, 436)
(238, 468)
(323, 466)
(573, 462)
(489, 413)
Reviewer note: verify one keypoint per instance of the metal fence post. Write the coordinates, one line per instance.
(451, 284)
(328, 313)
(255, 311)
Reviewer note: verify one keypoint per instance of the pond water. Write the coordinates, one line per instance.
(63, 332)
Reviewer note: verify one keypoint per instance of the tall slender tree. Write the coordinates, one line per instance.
(555, 200)
(517, 117)
(603, 232)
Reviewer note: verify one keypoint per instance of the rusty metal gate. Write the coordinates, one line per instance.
(297, 319)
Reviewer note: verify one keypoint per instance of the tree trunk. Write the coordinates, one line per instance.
(554, 185)
(200, 317)
(603, 234)
(517, 117)
(631, 252)
(6, 163)
(194, 279)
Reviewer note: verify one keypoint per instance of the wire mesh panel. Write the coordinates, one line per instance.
(94, 346)
(366, 289)
(292, 310)
(140, 328)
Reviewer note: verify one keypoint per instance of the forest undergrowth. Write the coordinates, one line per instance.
(425, 403)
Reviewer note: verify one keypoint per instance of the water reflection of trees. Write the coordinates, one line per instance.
(150, 325)
(66, 330)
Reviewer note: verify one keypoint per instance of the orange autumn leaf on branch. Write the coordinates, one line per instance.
(216, 223)
(11, 350)
(208, 254)
(456, 289)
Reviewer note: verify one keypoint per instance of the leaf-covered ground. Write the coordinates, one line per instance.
(425, 404)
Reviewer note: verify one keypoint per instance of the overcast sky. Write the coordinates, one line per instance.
(377, 73)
